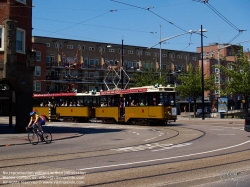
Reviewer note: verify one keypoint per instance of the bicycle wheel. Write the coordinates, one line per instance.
(47, 137)
(33, 138)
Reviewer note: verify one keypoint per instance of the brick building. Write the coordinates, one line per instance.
(17, 61)
(210, 59)
(62, 63)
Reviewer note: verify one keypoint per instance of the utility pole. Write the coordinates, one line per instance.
(122, 65)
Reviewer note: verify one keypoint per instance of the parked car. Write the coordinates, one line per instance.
(207, 110)
(247, 122)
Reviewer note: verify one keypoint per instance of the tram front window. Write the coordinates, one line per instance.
(167, 99)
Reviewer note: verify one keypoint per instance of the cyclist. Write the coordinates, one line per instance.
(36, 120)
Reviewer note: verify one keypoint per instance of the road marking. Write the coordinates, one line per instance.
(161, 134)
(166, 158)
(171, 147)
(143, 147)
(150, 139)
(136, 133)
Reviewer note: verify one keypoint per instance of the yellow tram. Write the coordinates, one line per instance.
(140, 105)
(66, 106)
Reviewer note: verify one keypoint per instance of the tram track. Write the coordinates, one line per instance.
(46, 158)
(168, 171)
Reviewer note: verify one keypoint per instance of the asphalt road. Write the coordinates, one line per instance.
(185, 153)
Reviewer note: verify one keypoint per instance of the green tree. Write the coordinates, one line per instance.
(238, 74)
(149, 76)
(191, 85)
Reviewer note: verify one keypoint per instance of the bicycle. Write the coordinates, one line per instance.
(34, 136)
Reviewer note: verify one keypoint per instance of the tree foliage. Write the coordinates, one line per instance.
(238, 76)
(191, 84)
(149, 76)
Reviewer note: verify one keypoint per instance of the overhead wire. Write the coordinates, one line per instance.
(148, 9)
(79, 23)
(222, 17)
(188, 43)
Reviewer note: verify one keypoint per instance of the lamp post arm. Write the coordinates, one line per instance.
(165, 39)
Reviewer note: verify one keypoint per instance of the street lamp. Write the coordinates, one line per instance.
(202, 74)
(165, 39)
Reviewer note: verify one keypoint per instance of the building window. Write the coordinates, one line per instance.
(47, 58)
(61, 45)
(63, 73)
(179, 67)
(38, 56)
(91, 48)
(37, 86)
(97, 75)
(217, 70)
(217, 79)
(194, 58)
(179, 56)
(1, 38)
(91, 62)
(20, 40)
(111, 50)
(164, 55)
(56, 45)
(83, 47)
(130, 64)
(70, 47)
(52, 58)
(47, 44)
(96, 62)
(79, 47)
(86, 74)
(92, 75)
(37, 71)
(148, 53)
(230, 67)
(22, 1)
(130, 52)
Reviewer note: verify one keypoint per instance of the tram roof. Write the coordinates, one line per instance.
(143, 89)
(65, 94)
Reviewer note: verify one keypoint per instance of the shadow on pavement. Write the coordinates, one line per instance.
(5, 129)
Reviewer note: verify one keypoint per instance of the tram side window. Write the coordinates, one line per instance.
(142, 99)
(103, 101)
(152, 99)
(79, 102)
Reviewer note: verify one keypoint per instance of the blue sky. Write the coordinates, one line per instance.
(111, 21)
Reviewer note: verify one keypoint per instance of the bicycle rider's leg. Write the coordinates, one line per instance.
(39, 127)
